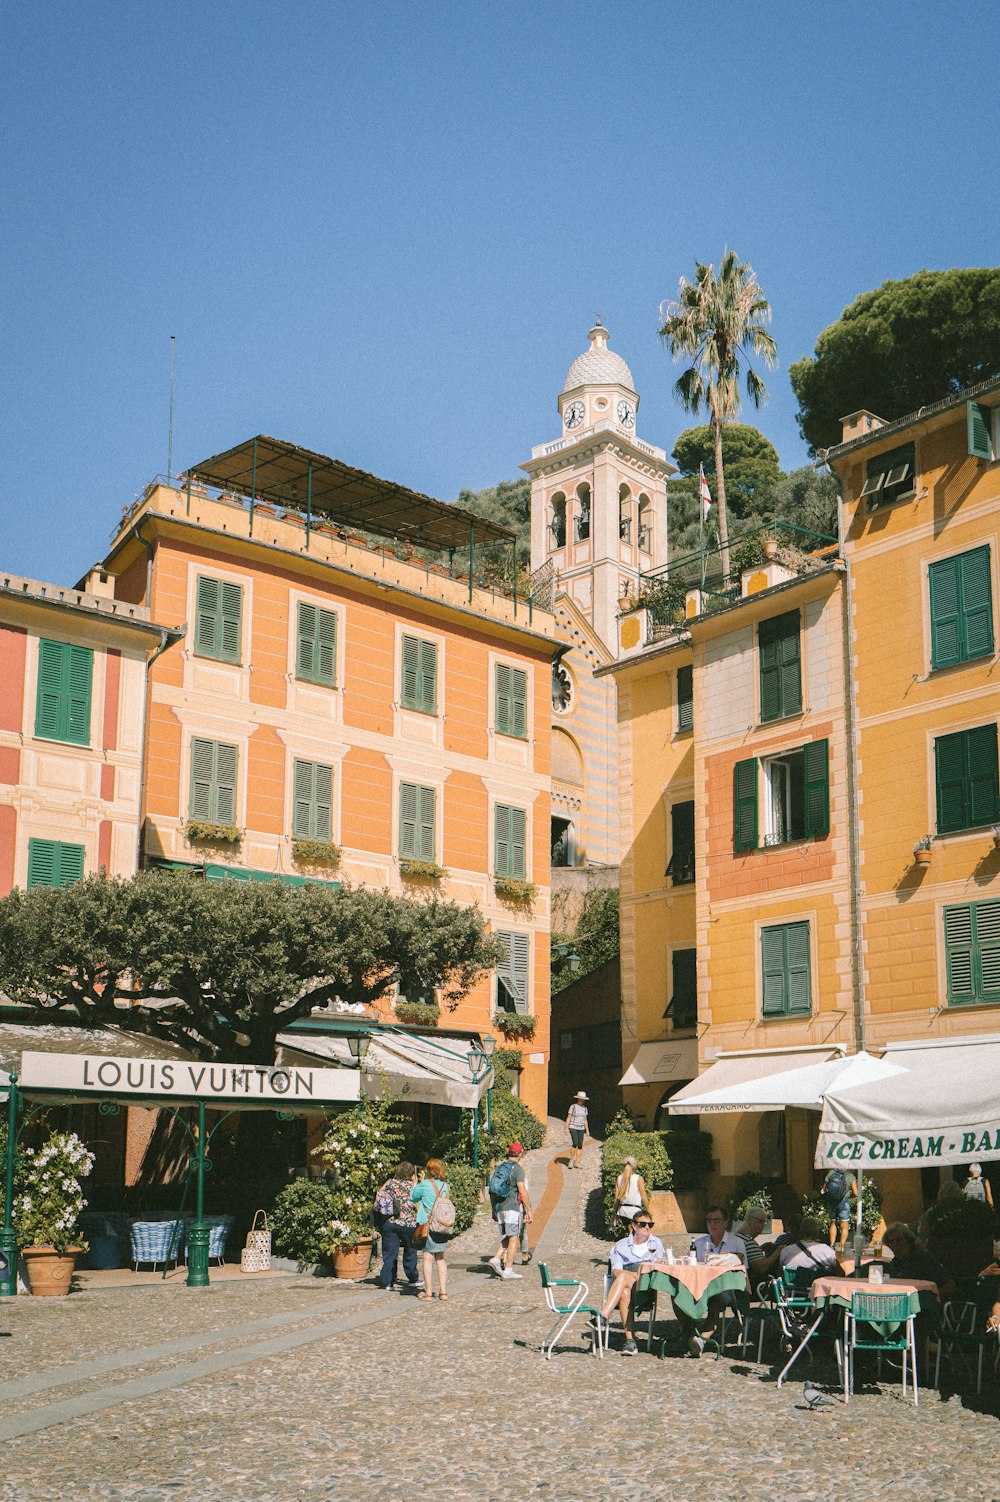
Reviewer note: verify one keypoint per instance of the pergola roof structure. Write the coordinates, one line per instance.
(270, 469)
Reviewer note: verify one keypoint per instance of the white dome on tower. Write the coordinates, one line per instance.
(598, 365)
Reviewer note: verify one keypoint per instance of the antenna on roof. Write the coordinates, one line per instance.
(170, 424)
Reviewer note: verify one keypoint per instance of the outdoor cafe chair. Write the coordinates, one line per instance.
(963, 1329)
(864, 1330)
(765, 1314)
(219, 1227)
(566, 1306)
(642, 1303)
(156, 1241)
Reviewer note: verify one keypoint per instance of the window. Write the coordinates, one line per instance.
(312, 801)
(218, 629)
(624, 513)
(419, 685)
(645, 524)
(961, 608)
(890, 477)
(417, 822)
(316, 645)
(595, 1046)
(562, 688)
(509, 841)
(685, 698)
(557, 526)
(561, 842)
(972, 952)
(979, 422)
(681, 866)
(583, 513)
(62, 705)
(213, 782)
(682, 1008)
(780, 666)
(512, 974)
(53, 864)
(796, 787)
(966, 777)
(784, 954)
(511, 702)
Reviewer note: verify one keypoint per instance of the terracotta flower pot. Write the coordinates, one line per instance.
(50, 1273)
(922, 857)
(771, 547)
(353, 1261)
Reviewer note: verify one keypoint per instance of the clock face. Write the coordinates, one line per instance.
(573, 415)
(626, 414)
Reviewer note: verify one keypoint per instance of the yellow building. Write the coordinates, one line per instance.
(842, 764)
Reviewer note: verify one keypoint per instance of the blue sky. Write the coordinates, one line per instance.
(382, 231)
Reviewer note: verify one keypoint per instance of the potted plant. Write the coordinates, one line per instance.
(922, 850)
(515, 892)
(316, 853)
(419, 1013)
(361, 1146)
(995, 832)
(422, 870)
(770, 547)
(207, 832)
(514, 1024)
(47, 1211)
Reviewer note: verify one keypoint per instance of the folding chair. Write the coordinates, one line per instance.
(868, 1310)
(963, 1329)
(642, 1303)
(565, 1313)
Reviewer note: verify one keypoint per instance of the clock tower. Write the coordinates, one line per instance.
(598, 491)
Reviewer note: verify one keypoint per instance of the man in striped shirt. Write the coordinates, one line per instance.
(749, 1229)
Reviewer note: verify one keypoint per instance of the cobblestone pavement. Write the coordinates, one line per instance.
(306, 1388)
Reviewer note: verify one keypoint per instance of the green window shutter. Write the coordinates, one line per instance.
(505, 975)
(681, 866)
(798, 967)
(683, 1007)
(202, 779)
(502, 710)
(54, 864)
(428, 677)
(770, 673)
(81, 677)
(977, 420)
(780, 666)
(53, 663)
(316, 645)
(326, 649)
(946, 644)
(773, 971)
(950, 779)
(225, 784)
(518, 828)
(959, 956)
(981, 763)
(305, 643)
(519, 703)
(685, 698)
(519, 962)
(323, 802)
(302, 800)
(745, 834)
(790, 664)
(977, 604)
(501, 840)
(816, 790)
(987, 921)
(426, 805)
(208, 607)
(408, 840)
(231, 624)
(411, 658)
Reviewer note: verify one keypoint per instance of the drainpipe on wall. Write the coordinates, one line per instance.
(165, 640)
(853, 797)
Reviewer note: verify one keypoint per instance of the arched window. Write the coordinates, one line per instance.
(624, 513)
(557, 525)
(645, 524)
(582, 512)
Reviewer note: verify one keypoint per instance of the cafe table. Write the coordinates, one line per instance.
(691, 1285)
(837, 1293)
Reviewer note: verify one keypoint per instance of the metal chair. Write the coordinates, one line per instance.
(566, 1312)
(766, 1314)
(963, 1329)
(642, 1303)
(868, 1310)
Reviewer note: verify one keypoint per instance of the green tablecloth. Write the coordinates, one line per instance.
(729, 1280)
(915, 1301)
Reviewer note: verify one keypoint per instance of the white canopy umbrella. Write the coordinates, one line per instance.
(756, 1081)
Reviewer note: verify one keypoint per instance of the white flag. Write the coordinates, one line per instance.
(706, 495)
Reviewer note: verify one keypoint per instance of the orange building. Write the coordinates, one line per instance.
(345, 709)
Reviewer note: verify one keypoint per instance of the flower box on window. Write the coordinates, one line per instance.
(316, 852)
(514, 891)
(206, 831)
(419, 1013)
(424, 870)
(514, 1024)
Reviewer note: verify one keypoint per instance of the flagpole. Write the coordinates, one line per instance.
(701, 522)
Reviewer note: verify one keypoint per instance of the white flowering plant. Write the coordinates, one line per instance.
(362, 1146)
(49, 1199)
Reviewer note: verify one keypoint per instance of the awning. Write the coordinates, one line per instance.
(943, 1106)
(273, 470)
(659, 1063)
(212, 872)
(401, 1066)
(761, 1080)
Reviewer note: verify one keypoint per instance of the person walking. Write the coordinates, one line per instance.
(630, 1192)
(576, 1122)
(978, 1188)
(396, 1217)
(433, 1241)
(509, 1193)
(838, 1188)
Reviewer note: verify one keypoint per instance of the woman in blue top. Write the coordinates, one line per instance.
(424, 1195)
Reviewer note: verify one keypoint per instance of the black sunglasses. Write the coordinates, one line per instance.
(647, 1223)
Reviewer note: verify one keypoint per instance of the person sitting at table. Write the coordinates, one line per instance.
(912, 1261)
(634, 1254)
(948, 1196)
(809, 1249)
(718, 1241)
(993, 1320)
(748, 1230)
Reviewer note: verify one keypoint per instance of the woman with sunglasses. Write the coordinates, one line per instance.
(635, 1254)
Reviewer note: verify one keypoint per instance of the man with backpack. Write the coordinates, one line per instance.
(509, 1196)
(838, 1187)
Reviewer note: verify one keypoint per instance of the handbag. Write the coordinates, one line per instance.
(256, 1255)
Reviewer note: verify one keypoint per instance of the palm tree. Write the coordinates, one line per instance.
(718, 322)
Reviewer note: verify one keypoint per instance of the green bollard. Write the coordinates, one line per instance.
(8, 1263)
(197, 1241)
